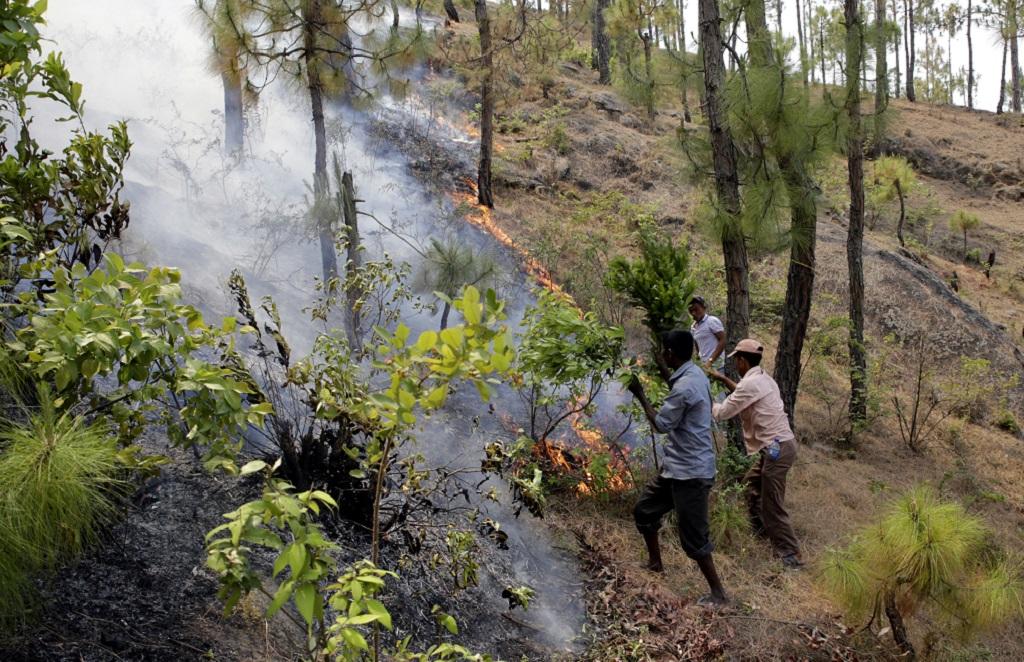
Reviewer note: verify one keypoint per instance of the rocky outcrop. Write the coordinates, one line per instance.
(1006, 180)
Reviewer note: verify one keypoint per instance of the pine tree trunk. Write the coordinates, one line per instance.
(1002, 82)
(821, 47)
(312, 20)
(483, 179)
(899, 630)
(778, 17)
(897, 90)
(881, 74)
(908, 23)
(727, 188)
(800, 38)
(949, 68)
(804, 216)
(604, 44)
(453, 13)
(355, 258)
(1015, 72)
(855, 232)
(811, 46)
(394, 15)
(970, 56)
(648, 76)
(234, 119)
(799, 285)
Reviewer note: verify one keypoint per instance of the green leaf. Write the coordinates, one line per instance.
(305, 601)
(380, 611)
(437, 396)
(252, 467)
(280, 597)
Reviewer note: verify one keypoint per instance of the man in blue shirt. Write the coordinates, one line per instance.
(688, 470)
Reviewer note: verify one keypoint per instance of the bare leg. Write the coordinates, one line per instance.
(707, 568)
(653, 552)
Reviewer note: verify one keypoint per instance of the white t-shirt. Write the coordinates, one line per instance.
(704, 335)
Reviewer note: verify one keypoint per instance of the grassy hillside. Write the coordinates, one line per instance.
(572, 165)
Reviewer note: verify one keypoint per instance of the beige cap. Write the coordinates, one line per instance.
(748, 345)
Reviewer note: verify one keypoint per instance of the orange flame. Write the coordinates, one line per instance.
(482, 219)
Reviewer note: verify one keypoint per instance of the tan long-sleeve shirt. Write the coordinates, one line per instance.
(758, 403)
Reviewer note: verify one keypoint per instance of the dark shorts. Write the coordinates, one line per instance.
(689, 498)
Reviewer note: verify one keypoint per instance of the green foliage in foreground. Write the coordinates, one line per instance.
(337, 616)
(926, 555)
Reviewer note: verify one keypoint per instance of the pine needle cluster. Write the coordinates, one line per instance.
(929, 555)
(60, 484)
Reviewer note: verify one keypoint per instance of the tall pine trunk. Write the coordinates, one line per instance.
(1002, 81)
(821, 49)
(881, 74)
(803, 226)
(855, 232)
(604, 44)
(800, 38)
(234, 119)
(646, 38)
(483, 178)
(970, 56)
(911, 57)
(313, 20)
(453, 13)
(1015, 73)
(896, 52)
(727, 187)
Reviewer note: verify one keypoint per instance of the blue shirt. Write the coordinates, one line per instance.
(686, 419)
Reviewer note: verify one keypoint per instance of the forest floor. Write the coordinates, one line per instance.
(561, 155)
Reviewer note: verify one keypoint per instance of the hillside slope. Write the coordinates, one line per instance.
(566, 153)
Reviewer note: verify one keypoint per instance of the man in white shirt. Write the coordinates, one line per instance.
(756, 401)
(708, 332)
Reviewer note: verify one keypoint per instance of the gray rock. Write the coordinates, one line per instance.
(608, 102)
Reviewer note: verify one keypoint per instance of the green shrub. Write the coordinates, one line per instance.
(730, 524)
(1005, 420)
(557, 138)
(577, 54)
(61, 481)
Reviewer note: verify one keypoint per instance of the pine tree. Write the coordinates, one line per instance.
(909, 47)
(783, 133)
(222, 20)
(970, 55)
(925, 555)
(485, 195)
(881, 73)
(727, 187)
(855, 228)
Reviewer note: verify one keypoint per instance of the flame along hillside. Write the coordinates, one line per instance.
(557, 453)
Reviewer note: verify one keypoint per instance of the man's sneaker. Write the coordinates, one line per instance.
(792, 562)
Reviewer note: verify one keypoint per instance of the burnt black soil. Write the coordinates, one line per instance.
(145, 594)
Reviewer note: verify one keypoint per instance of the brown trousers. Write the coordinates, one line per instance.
(766, 497)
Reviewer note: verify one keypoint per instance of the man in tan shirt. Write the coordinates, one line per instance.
(766, 432)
